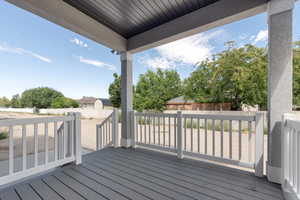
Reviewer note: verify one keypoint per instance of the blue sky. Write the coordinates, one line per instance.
(35, 52)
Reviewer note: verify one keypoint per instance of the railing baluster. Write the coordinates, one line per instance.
(198, 133)
(107, 133)
(158, 118)
(290, 152)
(24, 146)
(298, 162)
(72, 136)
(11, 150)
(192, 134)
(230, 139)
(65, 139)
(240, 139)
(104, 135)
(154, 136)
(55, 142)
(175, 132)
(249, 142)
(164, 130)
(213, 136)
(142, 121)
(46, 143)
(205, 129)
(169, 131)
(294, 156)
(145, 131)
(35, 127)
(222, 135)
(149, 129)
(185, 125)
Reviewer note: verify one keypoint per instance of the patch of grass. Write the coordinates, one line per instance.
(3, 135)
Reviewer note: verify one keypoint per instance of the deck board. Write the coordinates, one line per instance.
(140, 174)
(206, 178)
(26, 192)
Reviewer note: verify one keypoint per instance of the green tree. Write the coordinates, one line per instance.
(63, 102)
(40, 97)
(4, 102)
(15, 101)
(237, 75)
(114, 91)
(154, 89)
(296, 71)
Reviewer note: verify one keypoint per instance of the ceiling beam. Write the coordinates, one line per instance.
(218, 14)
(69, 17)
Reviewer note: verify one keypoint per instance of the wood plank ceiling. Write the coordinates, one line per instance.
(131, 17)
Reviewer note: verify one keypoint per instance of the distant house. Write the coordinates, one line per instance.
(179, 103)
(94, 103)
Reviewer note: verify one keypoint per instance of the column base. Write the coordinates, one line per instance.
(127, 143)
(274, 174)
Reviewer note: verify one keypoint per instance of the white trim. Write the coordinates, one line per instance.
(156, 147)
(225, 12)
(126, 143)
(126, 56)
(279, 6)
(63, 14)
(274, 174)
(219, 159)
(288, 192)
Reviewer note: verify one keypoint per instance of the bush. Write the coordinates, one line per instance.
(41, 97)
(3, 135)
(63, 102)
(4, 102)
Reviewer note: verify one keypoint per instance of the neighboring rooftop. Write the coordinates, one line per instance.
(92, 100)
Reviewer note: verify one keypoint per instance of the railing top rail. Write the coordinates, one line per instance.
(292, 123)
(14, 122)
(156, 114)
(105, 120)
(220, 117)
(202, 116)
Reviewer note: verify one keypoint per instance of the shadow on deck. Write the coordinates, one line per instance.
(121, 174)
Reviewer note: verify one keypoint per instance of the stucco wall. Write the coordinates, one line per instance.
(20, 110)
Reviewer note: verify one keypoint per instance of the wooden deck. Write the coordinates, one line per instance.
(121, 174)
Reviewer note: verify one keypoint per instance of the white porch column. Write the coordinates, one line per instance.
(126, 98)
(280, 15)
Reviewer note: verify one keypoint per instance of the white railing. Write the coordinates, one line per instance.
(107, 131)
(59, 145)
(291, 156)
(230, 139)
(156, 130)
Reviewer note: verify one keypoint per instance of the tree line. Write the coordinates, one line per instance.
(237, 75)
(41, 97)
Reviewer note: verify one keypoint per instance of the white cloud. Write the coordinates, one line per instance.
(189, 50)
(20, 51)
(97, 63)
(78, 42)
(160, 62)
(262, 36)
